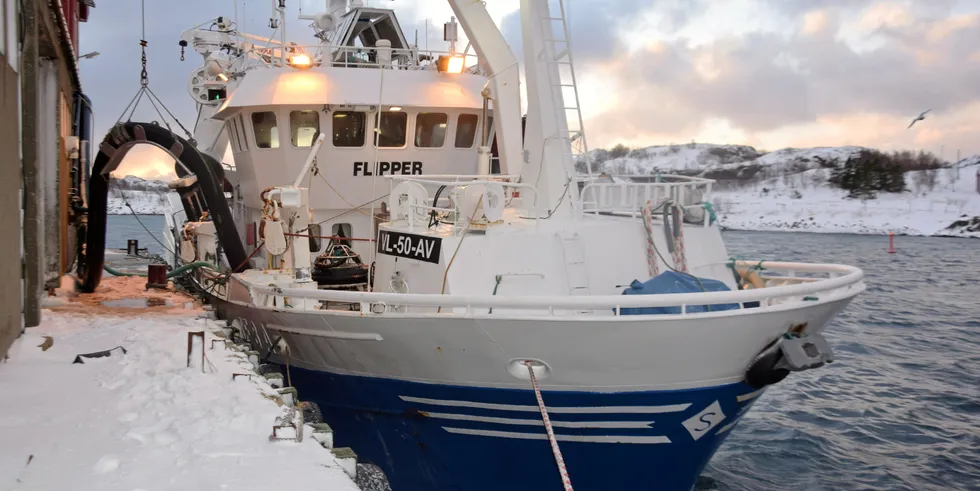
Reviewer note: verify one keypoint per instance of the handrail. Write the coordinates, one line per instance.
(629, 197)
(848, 276)
(433, 177)
(337, 55)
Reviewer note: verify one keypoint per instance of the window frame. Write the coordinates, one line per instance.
(476, 131)
(364, 129)
(415, 132)
(275, 116)
(315, 135)
(377, 124)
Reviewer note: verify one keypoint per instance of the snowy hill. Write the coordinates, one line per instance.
(791, 189)
(147, 197)
(787, 189)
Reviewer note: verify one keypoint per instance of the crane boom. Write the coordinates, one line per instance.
(504, 82)
(545, 154)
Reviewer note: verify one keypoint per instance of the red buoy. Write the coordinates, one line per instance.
(891, 243)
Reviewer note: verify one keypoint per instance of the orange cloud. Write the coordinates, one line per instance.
(148, 162)
(815, 21)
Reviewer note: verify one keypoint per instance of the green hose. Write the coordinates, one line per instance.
(177, 272)
(188, 267)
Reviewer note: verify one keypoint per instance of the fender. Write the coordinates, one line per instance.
(114, 147)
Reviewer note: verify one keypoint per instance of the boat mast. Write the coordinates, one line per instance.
(547, 161)
(547, 141)
(504, 83)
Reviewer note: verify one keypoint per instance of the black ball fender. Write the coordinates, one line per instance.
(762, 371)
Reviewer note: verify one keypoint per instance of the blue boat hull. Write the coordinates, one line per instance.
(444, 437)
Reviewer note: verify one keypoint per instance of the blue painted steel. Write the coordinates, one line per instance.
(423, 444)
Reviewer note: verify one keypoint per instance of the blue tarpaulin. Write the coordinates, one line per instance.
(671, 282)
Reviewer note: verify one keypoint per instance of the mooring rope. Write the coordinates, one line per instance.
(565, 480)
(652, 266)
(680, 260)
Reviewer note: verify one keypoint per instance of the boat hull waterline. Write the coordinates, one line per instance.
(432, 403)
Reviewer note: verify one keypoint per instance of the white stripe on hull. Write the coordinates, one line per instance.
(671, 408)
(561, 438)
(356, 336)
(750, 395)
(538, 422)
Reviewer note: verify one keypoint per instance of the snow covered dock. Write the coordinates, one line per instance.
(143, 420)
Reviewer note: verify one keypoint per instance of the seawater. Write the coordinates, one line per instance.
(900, 407)
(898, 410)
(121, 228)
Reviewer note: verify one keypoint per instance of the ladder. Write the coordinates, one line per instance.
(576, 264)
(558, 54)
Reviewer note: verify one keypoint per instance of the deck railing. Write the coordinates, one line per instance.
(630, 197)
(833, 282)
(362, 57)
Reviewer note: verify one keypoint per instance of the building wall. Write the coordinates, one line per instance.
(48, 163)
(10, 195)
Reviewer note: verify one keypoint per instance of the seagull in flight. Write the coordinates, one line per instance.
(919, 118)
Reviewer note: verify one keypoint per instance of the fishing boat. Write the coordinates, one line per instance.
(468, 302)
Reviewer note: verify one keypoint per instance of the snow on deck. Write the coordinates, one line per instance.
(142, 421)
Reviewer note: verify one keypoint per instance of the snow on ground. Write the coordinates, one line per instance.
(804, 202)
(791, 191)
(142, 421)
(147, 197)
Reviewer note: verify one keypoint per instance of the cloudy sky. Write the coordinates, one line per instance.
(767, 73)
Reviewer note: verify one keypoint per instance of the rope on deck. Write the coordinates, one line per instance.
(565, 480)
(652, 266)
(680, 259)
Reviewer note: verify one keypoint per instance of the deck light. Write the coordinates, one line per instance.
(301, 60)
(222, 77)
(395, 108)
(450, 64)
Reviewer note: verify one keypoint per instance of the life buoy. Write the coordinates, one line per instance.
(751, 278)
(762, 371)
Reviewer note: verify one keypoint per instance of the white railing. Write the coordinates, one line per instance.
(404, 59)
(630, 197)
(363, 57)
(838, 281)
(433, 182)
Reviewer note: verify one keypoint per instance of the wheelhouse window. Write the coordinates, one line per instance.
(304, 126)
(314, 232)
(430, 130)
(241, 127)
(392, 129)
(231, 127)
(237, 134)
(466, 130)
(265, 129)
(348, 128)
